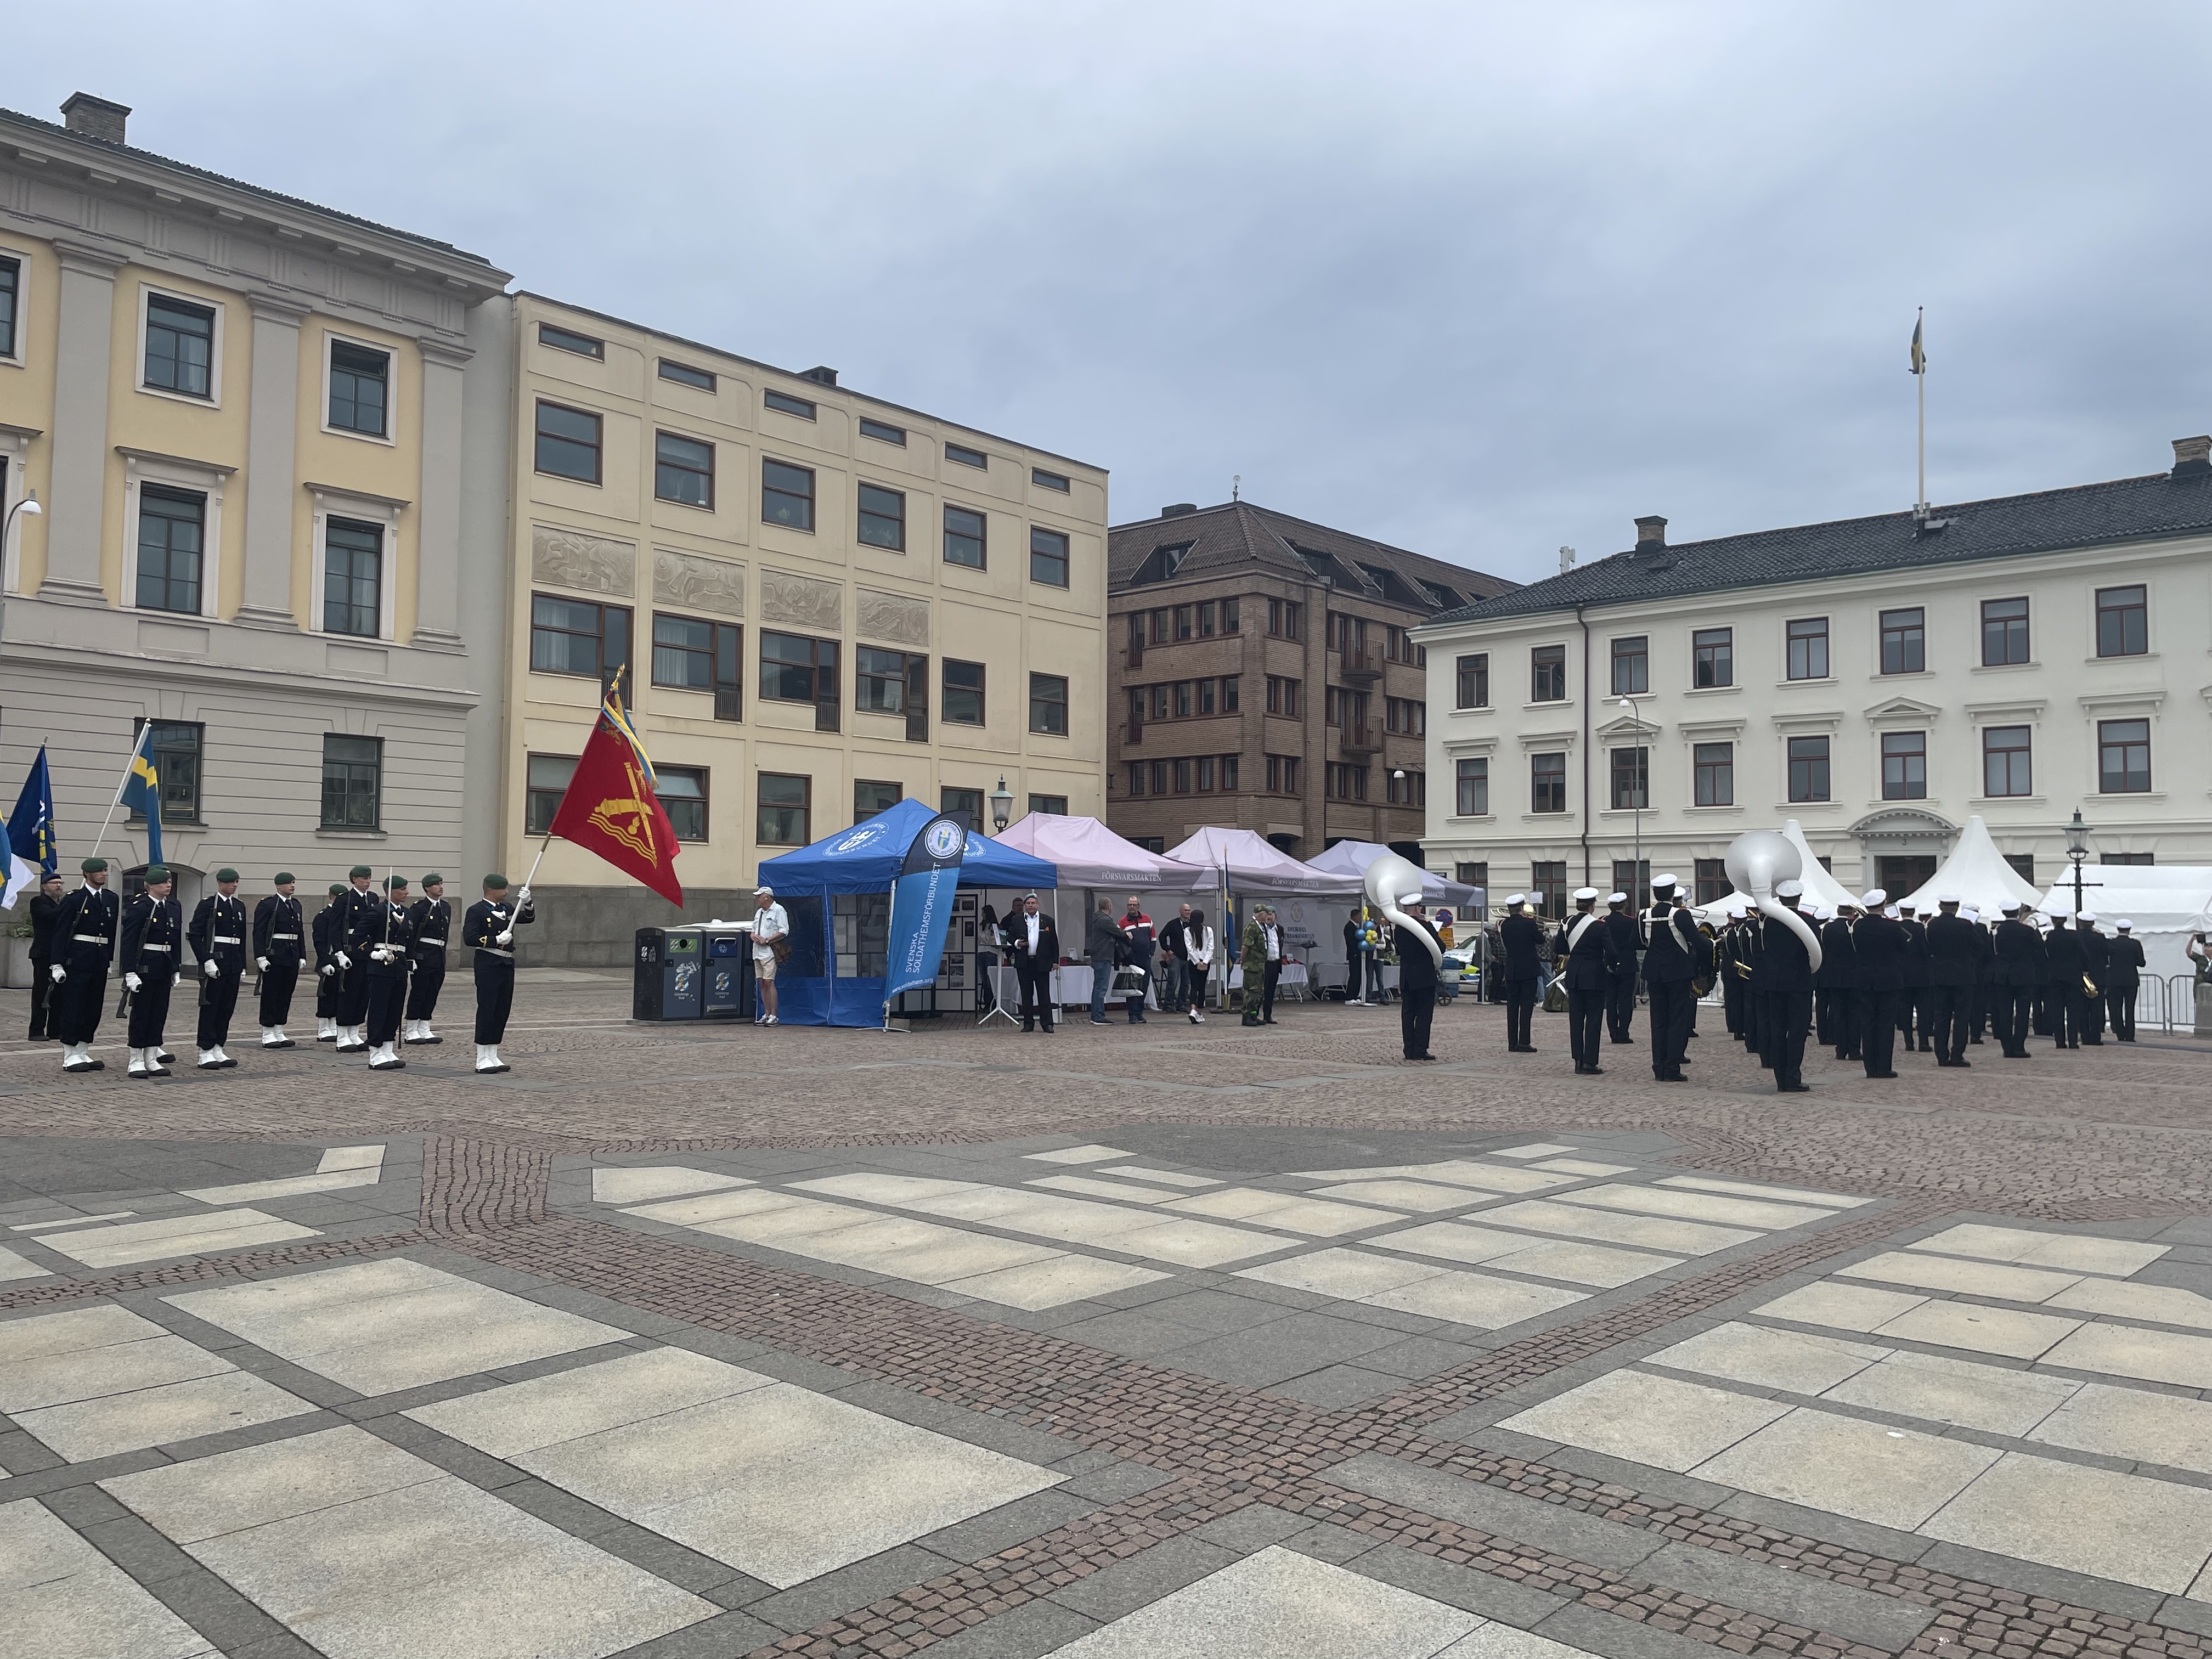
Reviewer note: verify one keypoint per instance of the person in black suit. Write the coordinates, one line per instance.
(278, 950)
(151, 958)
(45, 910)
(84, 946)
(1785, 981)
(328, 928)
(2123, 979)
(2066, 963)
(1033, 945)
(1878, 945)
(1521, 934)
(1674, 953)
(1620, 992)
(1984, 975)
(2013, 976)
(1734, 953)
(1590, 964)
(1954, 957)
(2097, 956)
(1838, 982)
(1913, 1001)
(1417, 984)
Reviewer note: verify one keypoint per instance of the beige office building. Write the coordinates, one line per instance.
(825, 602)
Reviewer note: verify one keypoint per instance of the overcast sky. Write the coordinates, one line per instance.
(1478, 280)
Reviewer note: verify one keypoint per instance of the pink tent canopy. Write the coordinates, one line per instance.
(1089, 854)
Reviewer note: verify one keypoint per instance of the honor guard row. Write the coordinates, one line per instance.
(379, 962)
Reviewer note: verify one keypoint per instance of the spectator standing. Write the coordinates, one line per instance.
(770, 925)
(1198, 949)
(987, 956)
(1263, 962)
(1103, 944)
(1355, 972)
(1175, 964)
(1034, 943)
(1448, 980)
(1137, 930)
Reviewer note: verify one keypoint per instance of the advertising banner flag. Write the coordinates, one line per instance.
(921, 904)
(611, 808)
(32, 853)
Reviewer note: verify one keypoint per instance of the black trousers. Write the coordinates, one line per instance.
(1732, 1013)
(1417, 1007)
(278, 981)
(1792, 1015)
(1620, 1007)
(1947, 1019)
(1035, 980)
(1672, 1002)
(2013, 1015)
(1977, 1013)
(1877, 1017)
(1519, 1012)
(150, 1008)
(218, 1002)
(76, 1003)
(352, 1002)
(495, 996)
(42, 1000)
(387, 1002)
(2085, 1017)
(2120, 1002)
(1274, 971)
(1586, 1025)
(2047, 1016)
(429, 979)
(1912, 1012)
(1824, 1015)
(326, 995)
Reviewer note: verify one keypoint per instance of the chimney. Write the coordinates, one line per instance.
(2192, 456)
(96, 118)
(1177, 509)
(1566, 560)
(820, 375)
(1651, 534)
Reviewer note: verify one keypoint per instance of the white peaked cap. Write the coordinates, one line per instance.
(2085, 915)
(1891, 912)
(1946, 898)
(2126, 926)
(1616, 898)
(1873, 898)
(1581, 893)
(2013, 908)
(1969, 915)
(1515, 899)
(1737, 913)
(1789, 889)
(1822, 913)
(1665, 881)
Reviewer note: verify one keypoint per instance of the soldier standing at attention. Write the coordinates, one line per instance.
(1521, 933)
(385, 943)
(1675, 953)
(45, 911)
(1878, 972)
(2123, 979)
(357, 910)
(1621, 989)
(218, 941)
(1953, 962)
(1589, 981)
(430, 919)
(1836, 984)
(2014, 978)
(330, 940)
(1786, 971)
(489, 930)
(153, 937)
(277, 941)
(84, 944)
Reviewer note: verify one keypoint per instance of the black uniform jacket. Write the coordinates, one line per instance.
(153, 935)
(1416, 970)
(485, 922)
(2124, 971)
(1590, 955)
(2020, 954)
(1785, 969)
(84, 929)
(1521, 935)
(277, 930)
(1676, 949)
(1954, 955)
(45, 913)
(1840, 966)
(389, 931)
(1621, 927)
(1878, 947)
(1018, 939)
(430, 923)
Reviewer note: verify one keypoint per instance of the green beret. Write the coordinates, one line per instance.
(360, 870)
(432, 879)
(495, 881)
(283, 876)
(337, 887)
(225, 875)
(92, 867)
(157, 874)
(393, 883)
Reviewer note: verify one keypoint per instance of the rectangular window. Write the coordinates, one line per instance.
(176, 747)
(2123, 757)
(1475, 874)
(353, 577)
(683, 470)
(1044, 480)
(567, 339)
(567, 442)
(1205, 773)
(570, 636)
(548, 781)
(966, 456)
(1229, 771)
(786, 814)
(1184, 622)
(871, 797)
(883, 517)
(682, 791)
(1208, 621)
(1283, 618)
(1632, 666)
(1346, 782)
(1632, 778)
(1714, 764)
(1049, 565)
(11, 298)
(1474, 681)
(1808, 649)
(1548, 885)
(883, 432)
(172, 530)
(1410, 790)
(2122, 858)
(1160, 700)
(1182, 703)
(1474, 783)
(2123, 621)
(180, 346)
(966, 805)
(1633, 878)
(964, 533)
(1712, 881)
(353, 782)
(2008, 767)
(1547, 674)
(2023, 866)
(1137, 771)
(1282, 696)
(1230, 682)
(795, 668)
(879, 681)
(361, 388)
(2004, 632)
(1548, 783)
(1904, 766)
(784, 403)
(690, 655)
(1712, 657)
(964, 692)
(1183, 773)
(1283, 775)
(1055, 804)
(1229, 616)
(683, 374)
(1808, 768)
(1206, 696)
(1904, 641)
(1159, 777)
(1159, 625)
(787, 494)
(1048, 703)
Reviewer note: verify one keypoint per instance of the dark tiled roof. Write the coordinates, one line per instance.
(1237, 534)
(100, 146)
(2049, 521)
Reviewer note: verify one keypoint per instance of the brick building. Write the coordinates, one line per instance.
(1262, 679)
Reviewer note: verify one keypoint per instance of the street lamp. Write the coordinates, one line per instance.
(1643, 787)
(29, 506)
(1002, 804)
(2077, 849)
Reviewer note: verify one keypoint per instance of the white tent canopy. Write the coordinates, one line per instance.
(1252, 864)
(1089, 854)
(1820, 887)
(1352, 858)
(1977, 875)
(2168, 904)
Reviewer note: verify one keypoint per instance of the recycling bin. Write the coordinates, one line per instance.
(667, 982)
(726, 973)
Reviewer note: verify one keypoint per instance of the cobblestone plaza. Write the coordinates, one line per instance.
(1124, 1344)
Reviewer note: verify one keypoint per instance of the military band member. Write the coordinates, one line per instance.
(1590, 961)
(356, 908)
(1734, 972)
(430, 919)
(329, 941)
(1836, 985)
(2098, 949)
(1913, 1008)
(1521, 935)
(2123, 979)
(1878, 945)
(84, 946)
(1620, 988)
(489, 930)
(1674, 953)
(152, 962)
(218, 938)
(2015, 975)
(1785, 979)
(383, 942)
(45, 911)
(279, 949)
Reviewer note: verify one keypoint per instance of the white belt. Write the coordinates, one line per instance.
(283, 936)
(89, 939)
(164, 949)
(223, 940)
(493, 950)
(429, 941)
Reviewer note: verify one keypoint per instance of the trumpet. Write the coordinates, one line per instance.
(2089, 987)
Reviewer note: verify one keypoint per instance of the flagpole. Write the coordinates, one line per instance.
(1920, 377)
(890, 913)
(121, 785)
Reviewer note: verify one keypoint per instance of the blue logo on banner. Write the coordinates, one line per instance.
(921, 905)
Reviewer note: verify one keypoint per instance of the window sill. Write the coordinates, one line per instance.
(189, 399)
(2135, 656)
(1718, 691)
(1476, 709)
(696, 507)
(2128, 795)
(2004, 668)
(1791, 806)
(1980, 801)
(1547, 817)
(362, 437)
(1907, 674)
(1727, 807)
(1825, 679)
(588, 483)
(1549, 702)
(1473, 817)
(349, 835)
(1062, 736)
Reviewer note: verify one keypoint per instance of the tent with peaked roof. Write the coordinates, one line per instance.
(2169, 904)
(1977, 875)
(1820, 887)
(1089, 854)
(1252, 864)
(1352, 858)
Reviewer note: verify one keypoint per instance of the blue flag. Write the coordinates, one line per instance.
(921, 904)
(142, 792)
(32, 850)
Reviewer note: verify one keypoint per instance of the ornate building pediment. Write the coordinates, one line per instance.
(1897, 825)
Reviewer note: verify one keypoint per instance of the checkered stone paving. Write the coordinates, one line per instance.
(1176, 1341)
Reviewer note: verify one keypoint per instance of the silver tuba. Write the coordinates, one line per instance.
(1392, 880)
(1759, 861)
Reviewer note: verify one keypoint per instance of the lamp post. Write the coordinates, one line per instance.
(1002, 804)
(1636, 876)
(2077, 849)
(27, 508)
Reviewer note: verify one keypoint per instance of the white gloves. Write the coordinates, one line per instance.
(344, 961)
(329, 967)
(132, 981)
(508, 938)
(176, 979)
(522, 897)
(210, 968)
(262, 963)
(380, 953)
(59, 973)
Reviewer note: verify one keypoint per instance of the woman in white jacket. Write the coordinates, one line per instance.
(1198, 946)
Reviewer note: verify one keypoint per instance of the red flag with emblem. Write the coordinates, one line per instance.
(611, 808)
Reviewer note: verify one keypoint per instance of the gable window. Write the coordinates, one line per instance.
(353, 782)
(1044, 480)
(795, 668)
(871, 797)
(1474, 681)
(883, 432)
(1631, 779)
(1808, 649)
(787, 494)
(2008, 761)
(1904, 766)
(682, 791)
(1048, 703)
(964, 692)
(883, 517)
(1547, 674)
(567, 339)
(1808, 768)
(1548, 783)
(1712, 658)
(570, 636)
(2004, 632)
(547, 781)
(1632, 666)
(2123, 621)
(1474, 782)
(966, 456)
(2123, 757)
(1714, 765)
(172, 536)
(180, 347)
(964, 531)
(567, 442)
(683, 470)
(1904, 641)
(786, 809)
(784, 403)
(361, 389)
(1049, 565)
(683, 374)
(691, 655)
(353, 577)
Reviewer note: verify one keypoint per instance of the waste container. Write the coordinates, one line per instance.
(667, 980)
(727, 975)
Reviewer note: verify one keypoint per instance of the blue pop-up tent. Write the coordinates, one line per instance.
(864, 860)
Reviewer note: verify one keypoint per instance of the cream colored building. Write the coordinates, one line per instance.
(269, 441)
(826, 602)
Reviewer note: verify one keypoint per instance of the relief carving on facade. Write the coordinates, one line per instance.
(802, 601)
(698, 584)
(892, 617)
(575, 558)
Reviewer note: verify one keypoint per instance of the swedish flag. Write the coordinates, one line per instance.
(1919, 356)
(142, 792)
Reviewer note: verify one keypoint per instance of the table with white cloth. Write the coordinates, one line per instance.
(1291, 982)
(1071, 988)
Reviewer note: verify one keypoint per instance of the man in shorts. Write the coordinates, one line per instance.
(769, 925)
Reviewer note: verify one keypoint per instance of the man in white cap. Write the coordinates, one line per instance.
(1620, 992)
(2015, 973)
(1784, 982)
(1520, 934)
(770, 923)
(2122, 977)
(2069, 962)
(1590, 980)
(1674, 953)
(2097, 949)
(1878, 946)
(1955, 957)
